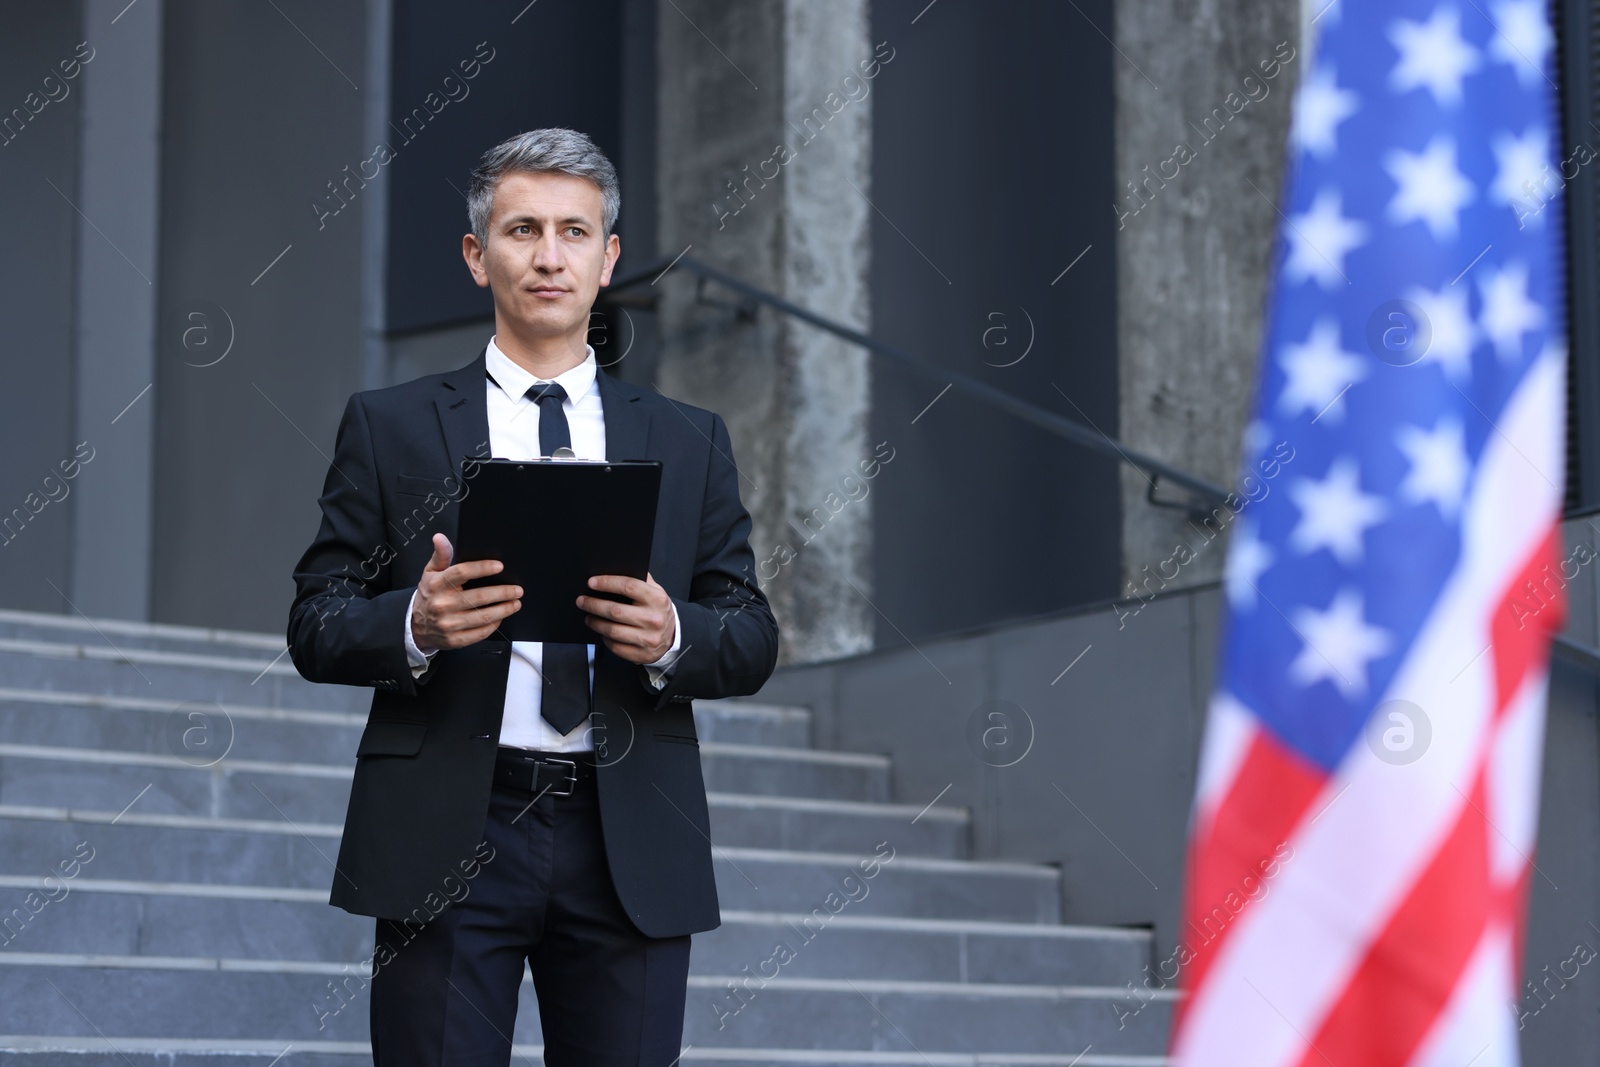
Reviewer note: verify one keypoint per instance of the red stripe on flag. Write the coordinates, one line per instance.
(1412, 968)
(1233, 860)
(1531, 611)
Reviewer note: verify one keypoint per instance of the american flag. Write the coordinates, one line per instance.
(1363, 831)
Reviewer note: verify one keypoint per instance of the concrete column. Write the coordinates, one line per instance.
(764, 170)
(1203, 102)
(117, 196)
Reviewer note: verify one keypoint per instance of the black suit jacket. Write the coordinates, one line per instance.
(425, 762)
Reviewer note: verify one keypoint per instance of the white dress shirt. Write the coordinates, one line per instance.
(514, 434)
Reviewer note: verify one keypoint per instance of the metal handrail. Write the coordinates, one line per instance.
(1060, 425)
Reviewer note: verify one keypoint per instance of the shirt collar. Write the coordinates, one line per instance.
(515, 380)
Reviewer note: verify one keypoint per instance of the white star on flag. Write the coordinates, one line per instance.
(1318, 371)
(1338, 645)
(1521, 164)
(1320, 239)
(1431, 188)
(1507, 312)
(1432, 54)
(1248, 558)
(1334, 512)
(1522, 37)
(1451, 326)
(1439, 465)
(1255, 437)
(1319, 107)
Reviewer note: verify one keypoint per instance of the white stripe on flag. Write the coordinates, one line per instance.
(1477, 1027)
(1514, 781)
(1230, 730)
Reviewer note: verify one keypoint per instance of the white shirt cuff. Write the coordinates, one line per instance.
(658, 670)
(417, 658)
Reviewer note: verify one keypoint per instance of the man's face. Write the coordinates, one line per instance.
(545, 260)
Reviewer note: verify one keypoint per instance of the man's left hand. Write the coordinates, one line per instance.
(640, 632)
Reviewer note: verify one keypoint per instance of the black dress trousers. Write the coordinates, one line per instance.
(608, 996)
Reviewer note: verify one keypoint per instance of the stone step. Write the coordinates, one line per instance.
(112, 917)
(92, 913)
(744, 721)
(136, 843)
(211, 781)
(747, 878)
(248, 677)
(939, 950)
(837, 825)
(201, 1052)
(906, 1015)
(909, 886)
(202, 997)
(775, 771)
(162, 783)
(126, 634)
(200, 729)
(169, 848)
(195, 730)
(172, 918)
(157, 783)
(181, 681)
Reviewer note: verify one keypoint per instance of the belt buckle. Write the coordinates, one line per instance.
(572, 776)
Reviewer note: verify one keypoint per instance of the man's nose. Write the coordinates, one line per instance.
(547, 255)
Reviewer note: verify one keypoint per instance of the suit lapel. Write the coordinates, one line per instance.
(627, 423)
(464, 414)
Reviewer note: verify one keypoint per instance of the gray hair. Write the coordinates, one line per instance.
(555, 149)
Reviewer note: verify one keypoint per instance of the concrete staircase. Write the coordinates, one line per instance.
(170, 806)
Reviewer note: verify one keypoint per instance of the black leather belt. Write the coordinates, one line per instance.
(556, 773)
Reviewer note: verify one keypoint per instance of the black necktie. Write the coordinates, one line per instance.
(564, 698)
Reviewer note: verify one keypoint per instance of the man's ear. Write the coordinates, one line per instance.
(472, 252)
(613, 250)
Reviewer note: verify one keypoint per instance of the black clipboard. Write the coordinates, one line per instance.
(555, 523)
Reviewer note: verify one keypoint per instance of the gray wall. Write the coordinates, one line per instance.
(1116, 734)
(256, 121)
(1565, 906)
(992, 167)
(79, 158)
(37, 276)
(119, 187)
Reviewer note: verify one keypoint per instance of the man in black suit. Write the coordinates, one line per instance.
(526, 801)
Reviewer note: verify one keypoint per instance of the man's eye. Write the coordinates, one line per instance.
(575, 229)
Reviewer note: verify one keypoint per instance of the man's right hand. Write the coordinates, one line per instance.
(444, 615)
